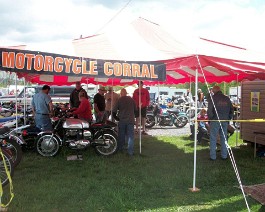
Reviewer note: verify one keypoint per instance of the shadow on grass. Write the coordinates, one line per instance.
(157, 179)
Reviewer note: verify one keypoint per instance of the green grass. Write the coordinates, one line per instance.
(157, 180)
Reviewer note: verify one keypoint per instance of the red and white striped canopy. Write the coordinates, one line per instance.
(143, 40)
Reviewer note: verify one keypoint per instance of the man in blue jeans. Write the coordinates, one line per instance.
(43, 109)
(126, 109)
(219, 108)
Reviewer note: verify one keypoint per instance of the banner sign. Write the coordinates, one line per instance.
(62, 65)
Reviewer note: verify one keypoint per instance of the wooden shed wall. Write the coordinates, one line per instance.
(247, 128)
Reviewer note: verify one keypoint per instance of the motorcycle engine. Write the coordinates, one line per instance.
(72, 132)
(165, 120)
(78, 139)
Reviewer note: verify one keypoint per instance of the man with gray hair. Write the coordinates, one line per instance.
(220, 111)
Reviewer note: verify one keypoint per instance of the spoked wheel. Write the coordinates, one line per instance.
(48, 145)
(180, 121)
(150, 121)
(14, 150)
(236, 123)
(9, 166)
(106, 143)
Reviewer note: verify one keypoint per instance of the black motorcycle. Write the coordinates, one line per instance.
(77, 135)
(11, 144)
(165, 117)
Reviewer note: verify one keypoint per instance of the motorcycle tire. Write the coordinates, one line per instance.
(180, 121)
(10, 168)
(150, 121)
(14, 150)
(191, 113)
(109, 141)
(48, 145)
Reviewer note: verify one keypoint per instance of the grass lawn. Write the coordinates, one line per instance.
(157, 180)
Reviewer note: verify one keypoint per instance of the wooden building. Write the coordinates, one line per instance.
(253, 107)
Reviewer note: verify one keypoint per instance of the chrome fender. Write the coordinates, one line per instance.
(56, 136)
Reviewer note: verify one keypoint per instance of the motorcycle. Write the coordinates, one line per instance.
(6, 164)
(11, 144)
(165, 117)
(5, 112)
(77, 135)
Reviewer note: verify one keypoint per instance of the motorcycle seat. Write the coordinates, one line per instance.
(173, 110)
(100, 126)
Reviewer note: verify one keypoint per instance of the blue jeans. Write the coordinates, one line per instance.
(43, 122)
(126, 131)
(215, 129)
(101, 117)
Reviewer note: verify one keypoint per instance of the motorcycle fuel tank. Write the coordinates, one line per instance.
(75, 124)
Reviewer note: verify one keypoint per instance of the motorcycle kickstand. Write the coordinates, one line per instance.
(79, 156)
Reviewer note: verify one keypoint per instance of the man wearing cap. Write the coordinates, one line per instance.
(126, 109)
(43, 109)
(142, 99)
(74, 96)
(220, 111)
(99, 105)
(111, 99)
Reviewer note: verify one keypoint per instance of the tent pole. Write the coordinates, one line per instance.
(237, 108)
(194, 189)
(24, 101)
(140, 119)
(16, 98)
(111, 103)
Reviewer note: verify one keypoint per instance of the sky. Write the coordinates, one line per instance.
(51, 25)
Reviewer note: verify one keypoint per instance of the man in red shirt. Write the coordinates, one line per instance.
(84, 109)
(142, 100)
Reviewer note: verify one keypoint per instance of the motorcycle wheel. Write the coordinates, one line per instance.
(9, 165)
(180, 121)
(109, 141)
(48, 145)
(14, 150)
(235, 123)
(150, 121)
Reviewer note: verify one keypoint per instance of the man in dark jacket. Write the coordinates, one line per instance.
(220, 110)
(74, 96)
(126, 109)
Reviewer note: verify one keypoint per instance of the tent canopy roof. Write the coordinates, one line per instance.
(143, 40)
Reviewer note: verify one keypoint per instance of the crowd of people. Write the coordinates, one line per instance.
(128, 111)
(131, 111)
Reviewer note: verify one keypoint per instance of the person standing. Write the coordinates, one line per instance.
(126, 109)
(111, 99)
(43, 109)
(219, 108)
(203, 126)
(142, 104)
(99, 105)
(200, 98)
(74, 96)
(84, 109)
